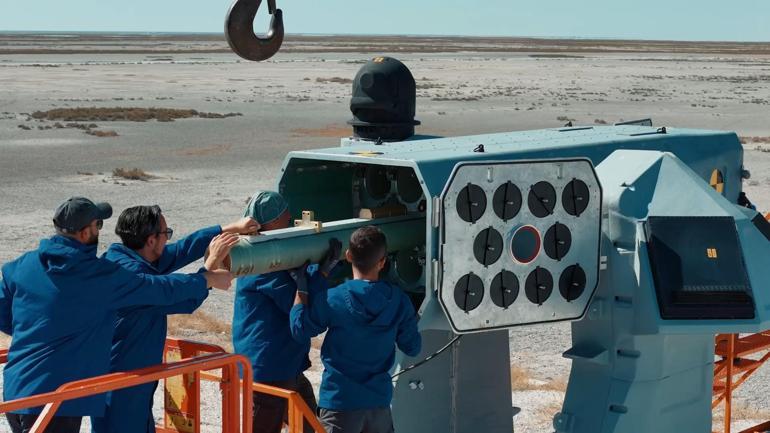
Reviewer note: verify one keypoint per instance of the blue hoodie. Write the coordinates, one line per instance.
(365, 321)
(58, 303)
(261, 327)
(140, 332)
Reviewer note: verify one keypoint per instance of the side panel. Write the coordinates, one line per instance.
(465, 389)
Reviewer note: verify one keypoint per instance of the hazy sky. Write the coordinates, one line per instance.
(737, 20)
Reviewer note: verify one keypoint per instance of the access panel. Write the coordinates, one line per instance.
(697, 267)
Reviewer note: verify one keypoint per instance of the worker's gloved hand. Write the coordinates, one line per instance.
(299, 275)
(332, 257)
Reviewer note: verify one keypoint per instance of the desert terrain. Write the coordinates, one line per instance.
(76, 119)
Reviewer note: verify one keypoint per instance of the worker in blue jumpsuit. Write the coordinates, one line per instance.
(58, 304)
(140, 332)
(261, 326)
(366, 319)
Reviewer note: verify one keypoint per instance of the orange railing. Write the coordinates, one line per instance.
(228, 363)
(299, 412)
(739, 357)
(193, 363)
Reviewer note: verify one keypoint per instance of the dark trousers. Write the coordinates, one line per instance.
(377, 420)
(270, 412)
(59, 424)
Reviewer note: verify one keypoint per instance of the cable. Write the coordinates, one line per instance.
(435, 354)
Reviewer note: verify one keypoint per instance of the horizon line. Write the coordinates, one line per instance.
(211, 33)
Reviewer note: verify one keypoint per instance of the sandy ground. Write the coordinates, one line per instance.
(206, 168)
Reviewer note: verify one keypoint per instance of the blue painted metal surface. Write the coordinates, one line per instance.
(434, 159)
(633, 371)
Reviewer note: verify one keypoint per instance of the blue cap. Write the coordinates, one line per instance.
(266, 206)
(78, 212)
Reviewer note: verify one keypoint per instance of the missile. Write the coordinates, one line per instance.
(284, 249)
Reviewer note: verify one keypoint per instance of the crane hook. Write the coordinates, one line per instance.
(239, 30)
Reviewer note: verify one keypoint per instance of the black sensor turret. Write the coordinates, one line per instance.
(383, 102)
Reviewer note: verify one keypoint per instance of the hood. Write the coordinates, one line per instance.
(127, 258)
(62, 254)
(121, 254)
(372, 303)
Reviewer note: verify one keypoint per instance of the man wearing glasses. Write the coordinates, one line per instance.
(58, 304)
(140, 332)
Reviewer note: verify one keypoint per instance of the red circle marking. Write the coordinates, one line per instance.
(535, 251)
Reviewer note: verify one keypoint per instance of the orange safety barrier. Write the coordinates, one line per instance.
(734, 367)
(231, 395)
(182, 395)
(298, 411)
(182, 409)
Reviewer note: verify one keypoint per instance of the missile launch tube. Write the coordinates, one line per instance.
(289, 248)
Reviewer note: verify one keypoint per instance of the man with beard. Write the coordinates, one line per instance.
(58, 304)
(140, 332)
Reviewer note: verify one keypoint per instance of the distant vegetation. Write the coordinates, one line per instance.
(132, 174)
(97, 133)
(338, 80)
(754, 140)
(202, 327)
(110, 114)
(88, 128)
(126, 114)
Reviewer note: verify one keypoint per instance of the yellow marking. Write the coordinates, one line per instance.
(366, 153)
(378, 59)
(717, 181)
(175, 398)
(711, 253)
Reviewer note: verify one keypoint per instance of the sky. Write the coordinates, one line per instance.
(702, 20)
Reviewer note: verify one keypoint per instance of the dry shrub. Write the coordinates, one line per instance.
(102, 133)
(199, 321)
(338, 80)
(522, 380)
(748, 140)
(334, 131)
(546, 413)
(201, 326)
(217, 115)
(132, 174)
(746, 411)
(558, 384)
(217, 149)
(126, 114)
(741, 411)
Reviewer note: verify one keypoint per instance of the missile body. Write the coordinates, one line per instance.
(289, 248)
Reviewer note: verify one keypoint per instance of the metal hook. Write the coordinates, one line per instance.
(239, 30)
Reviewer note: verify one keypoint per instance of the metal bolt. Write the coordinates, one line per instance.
(416, 384)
